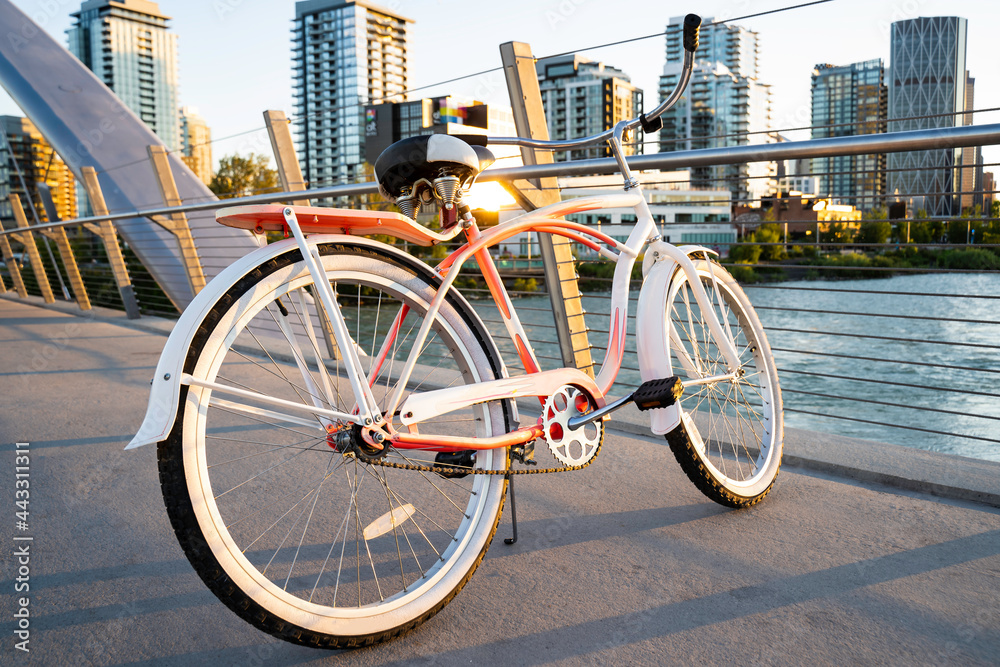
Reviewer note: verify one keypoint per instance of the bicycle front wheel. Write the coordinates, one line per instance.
(730, 438)
(292, 531)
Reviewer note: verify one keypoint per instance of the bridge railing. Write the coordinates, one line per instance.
(882, 328)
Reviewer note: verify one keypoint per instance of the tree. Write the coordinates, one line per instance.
(839, 232)
(874, 231)
(958, 231)
(242, 176)
(920, 232)
(770, 233)
(877, 213)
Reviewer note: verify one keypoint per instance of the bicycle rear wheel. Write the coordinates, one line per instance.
(729, 441)
(301, 540)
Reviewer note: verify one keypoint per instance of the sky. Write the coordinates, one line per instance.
(235, 55)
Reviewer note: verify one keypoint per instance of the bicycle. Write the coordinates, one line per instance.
(337, 428)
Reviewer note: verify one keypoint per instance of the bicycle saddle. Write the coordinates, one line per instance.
(434, 159)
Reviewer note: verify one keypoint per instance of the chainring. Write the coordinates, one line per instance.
(572, 447)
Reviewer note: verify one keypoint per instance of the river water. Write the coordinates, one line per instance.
(858, 358)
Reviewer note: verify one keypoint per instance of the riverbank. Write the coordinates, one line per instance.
(805, 263)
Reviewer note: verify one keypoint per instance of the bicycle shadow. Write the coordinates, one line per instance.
(537, 535)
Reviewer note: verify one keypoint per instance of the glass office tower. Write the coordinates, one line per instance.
(849, 100)
(927, 89)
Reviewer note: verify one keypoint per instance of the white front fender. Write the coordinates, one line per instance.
(652, 337)
(164, 397)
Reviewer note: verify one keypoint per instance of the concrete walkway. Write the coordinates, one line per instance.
(850, 560)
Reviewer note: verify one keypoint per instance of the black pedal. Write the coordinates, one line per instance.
(658, 393)
(444, 460)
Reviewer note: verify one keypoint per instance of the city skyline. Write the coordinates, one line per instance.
(260, 59)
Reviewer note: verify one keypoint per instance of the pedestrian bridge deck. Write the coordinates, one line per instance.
(851, 558)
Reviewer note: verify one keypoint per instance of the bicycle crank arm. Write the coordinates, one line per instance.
(651, 394)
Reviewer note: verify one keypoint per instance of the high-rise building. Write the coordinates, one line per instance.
(31, 158)
(848, 100)
(126, 43)
(725, 104)
(989, 192)
(582, 98)
(927, 89)
(970, 182)
(390, 122)
(347, 54)
(196, 144)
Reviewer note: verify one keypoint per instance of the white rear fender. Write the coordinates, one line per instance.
(164, 397)
(651, 323)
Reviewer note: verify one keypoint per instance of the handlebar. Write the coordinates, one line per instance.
(692, 25)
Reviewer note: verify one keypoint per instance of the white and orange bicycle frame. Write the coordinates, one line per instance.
(423, 406)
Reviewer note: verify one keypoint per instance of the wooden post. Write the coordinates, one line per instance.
(15, 272)
(557, 252)
(69, 261)
(289, 170)
(28, 239)
(290, 174)
(106, 232)
(177, 223)
(65, 249)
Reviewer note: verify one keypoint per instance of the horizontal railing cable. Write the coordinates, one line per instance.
(924, 318)
(887, 425)
(872, 401)
(906, 385)
(905, 362)
(894, 339)
(871, 291)
(866, 269)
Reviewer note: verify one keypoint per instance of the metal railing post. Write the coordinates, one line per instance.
(176, 224)
(557, 252)
(28, 239)
(109, 237)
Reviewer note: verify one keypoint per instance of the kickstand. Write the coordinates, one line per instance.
(513, 510)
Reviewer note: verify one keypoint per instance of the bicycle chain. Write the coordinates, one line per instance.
(477, 471)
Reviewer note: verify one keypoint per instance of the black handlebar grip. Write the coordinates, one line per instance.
(692, 22)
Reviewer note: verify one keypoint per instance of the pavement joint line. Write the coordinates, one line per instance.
(909, 469)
